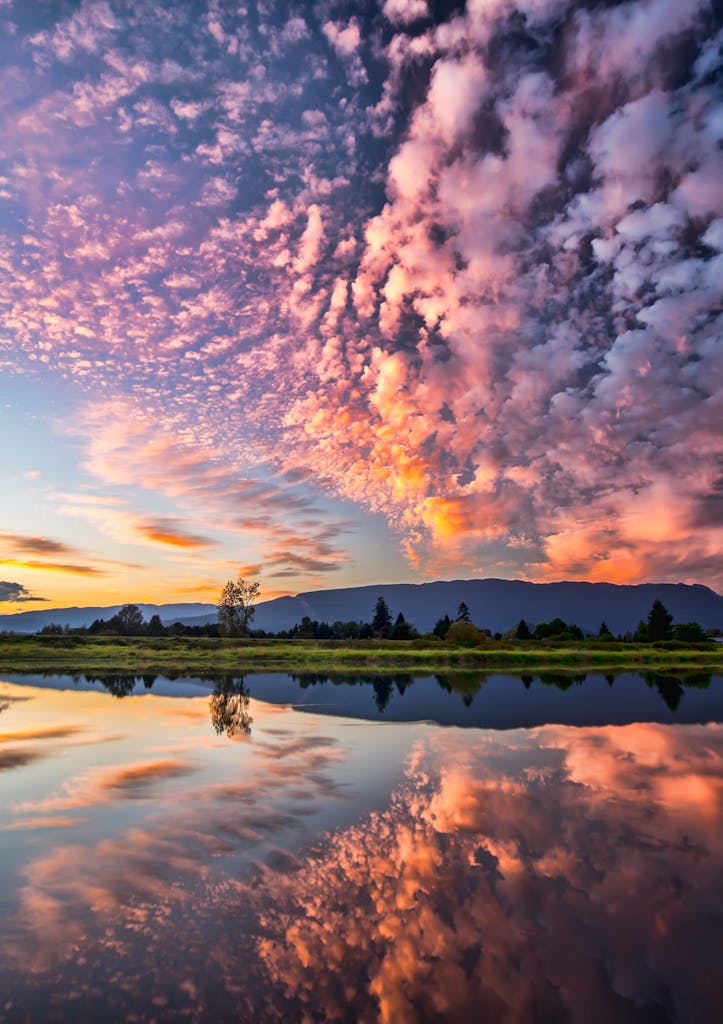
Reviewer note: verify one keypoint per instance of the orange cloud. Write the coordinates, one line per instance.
(169, 531)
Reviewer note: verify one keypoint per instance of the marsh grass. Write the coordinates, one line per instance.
(196, 655)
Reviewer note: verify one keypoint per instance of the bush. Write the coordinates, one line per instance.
(462, 632)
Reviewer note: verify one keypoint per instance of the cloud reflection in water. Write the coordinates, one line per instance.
(552, 873)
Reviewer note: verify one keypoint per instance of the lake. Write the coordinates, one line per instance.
(302, 848)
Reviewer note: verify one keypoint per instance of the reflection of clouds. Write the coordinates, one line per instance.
(554, 873)
(23, 825)
(131, 896)
(99, 785)
(60, 732)
(570, 890)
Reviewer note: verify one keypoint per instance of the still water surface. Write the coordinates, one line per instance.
(456, 848)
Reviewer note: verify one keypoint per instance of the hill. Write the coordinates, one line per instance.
(497, 605)
(78, 618)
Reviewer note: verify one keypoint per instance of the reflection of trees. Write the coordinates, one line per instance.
(383, 686)
(672, 688)
(230, 706)
(383, 690)
(669, 687)
(118, 685)
(561, 680)
(466, 684)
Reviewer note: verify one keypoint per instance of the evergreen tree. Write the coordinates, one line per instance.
(401, 630)
(603, 633)
(442, 627)
(463, 614)
(382, 621)
(523, 631)
(660, 622)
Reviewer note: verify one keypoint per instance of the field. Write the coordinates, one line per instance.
(200, 655)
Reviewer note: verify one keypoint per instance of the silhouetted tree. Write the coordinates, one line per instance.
(236, 607)
(557, 629)
(463, 614)
(155, 627)
(523, 631)
(604, 633)
(689, 632)
(129, 620)
(659, 623)
(401, 630)
(382, 619)
(442, 627)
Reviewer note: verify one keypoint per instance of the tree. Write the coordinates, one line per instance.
(402, 630)
(660, 622)
(155, 627)
(463, 614)
(604, 633)
(523, 631)
(129, 620)
(382, 620)
(236, 607)
(442, 627)
(689, 632)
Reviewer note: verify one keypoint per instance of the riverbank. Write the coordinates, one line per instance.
(199, 655)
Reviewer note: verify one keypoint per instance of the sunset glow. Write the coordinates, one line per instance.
(331, 294)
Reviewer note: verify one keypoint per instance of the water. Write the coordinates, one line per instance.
(456, 848)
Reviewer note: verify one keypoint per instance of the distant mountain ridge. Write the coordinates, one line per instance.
(79, 618)
(494, 604)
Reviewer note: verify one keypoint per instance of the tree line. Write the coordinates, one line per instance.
(237, 607)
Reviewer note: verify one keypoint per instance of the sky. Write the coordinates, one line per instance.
(330, 294)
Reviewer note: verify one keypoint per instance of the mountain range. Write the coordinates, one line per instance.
(497, 605)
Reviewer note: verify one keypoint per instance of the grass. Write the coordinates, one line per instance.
(192, 655)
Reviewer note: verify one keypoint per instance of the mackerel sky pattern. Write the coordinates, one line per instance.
(457, 266)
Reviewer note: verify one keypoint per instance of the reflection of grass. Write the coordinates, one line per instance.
(196, 655)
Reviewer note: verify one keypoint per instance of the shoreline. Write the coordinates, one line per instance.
(191, 655)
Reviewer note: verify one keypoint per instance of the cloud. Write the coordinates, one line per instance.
(405, 11)
(35, 545)
(16, 592)
(464, 276)
(170, 531)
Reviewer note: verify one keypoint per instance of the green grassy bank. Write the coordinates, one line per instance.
(199, 655)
